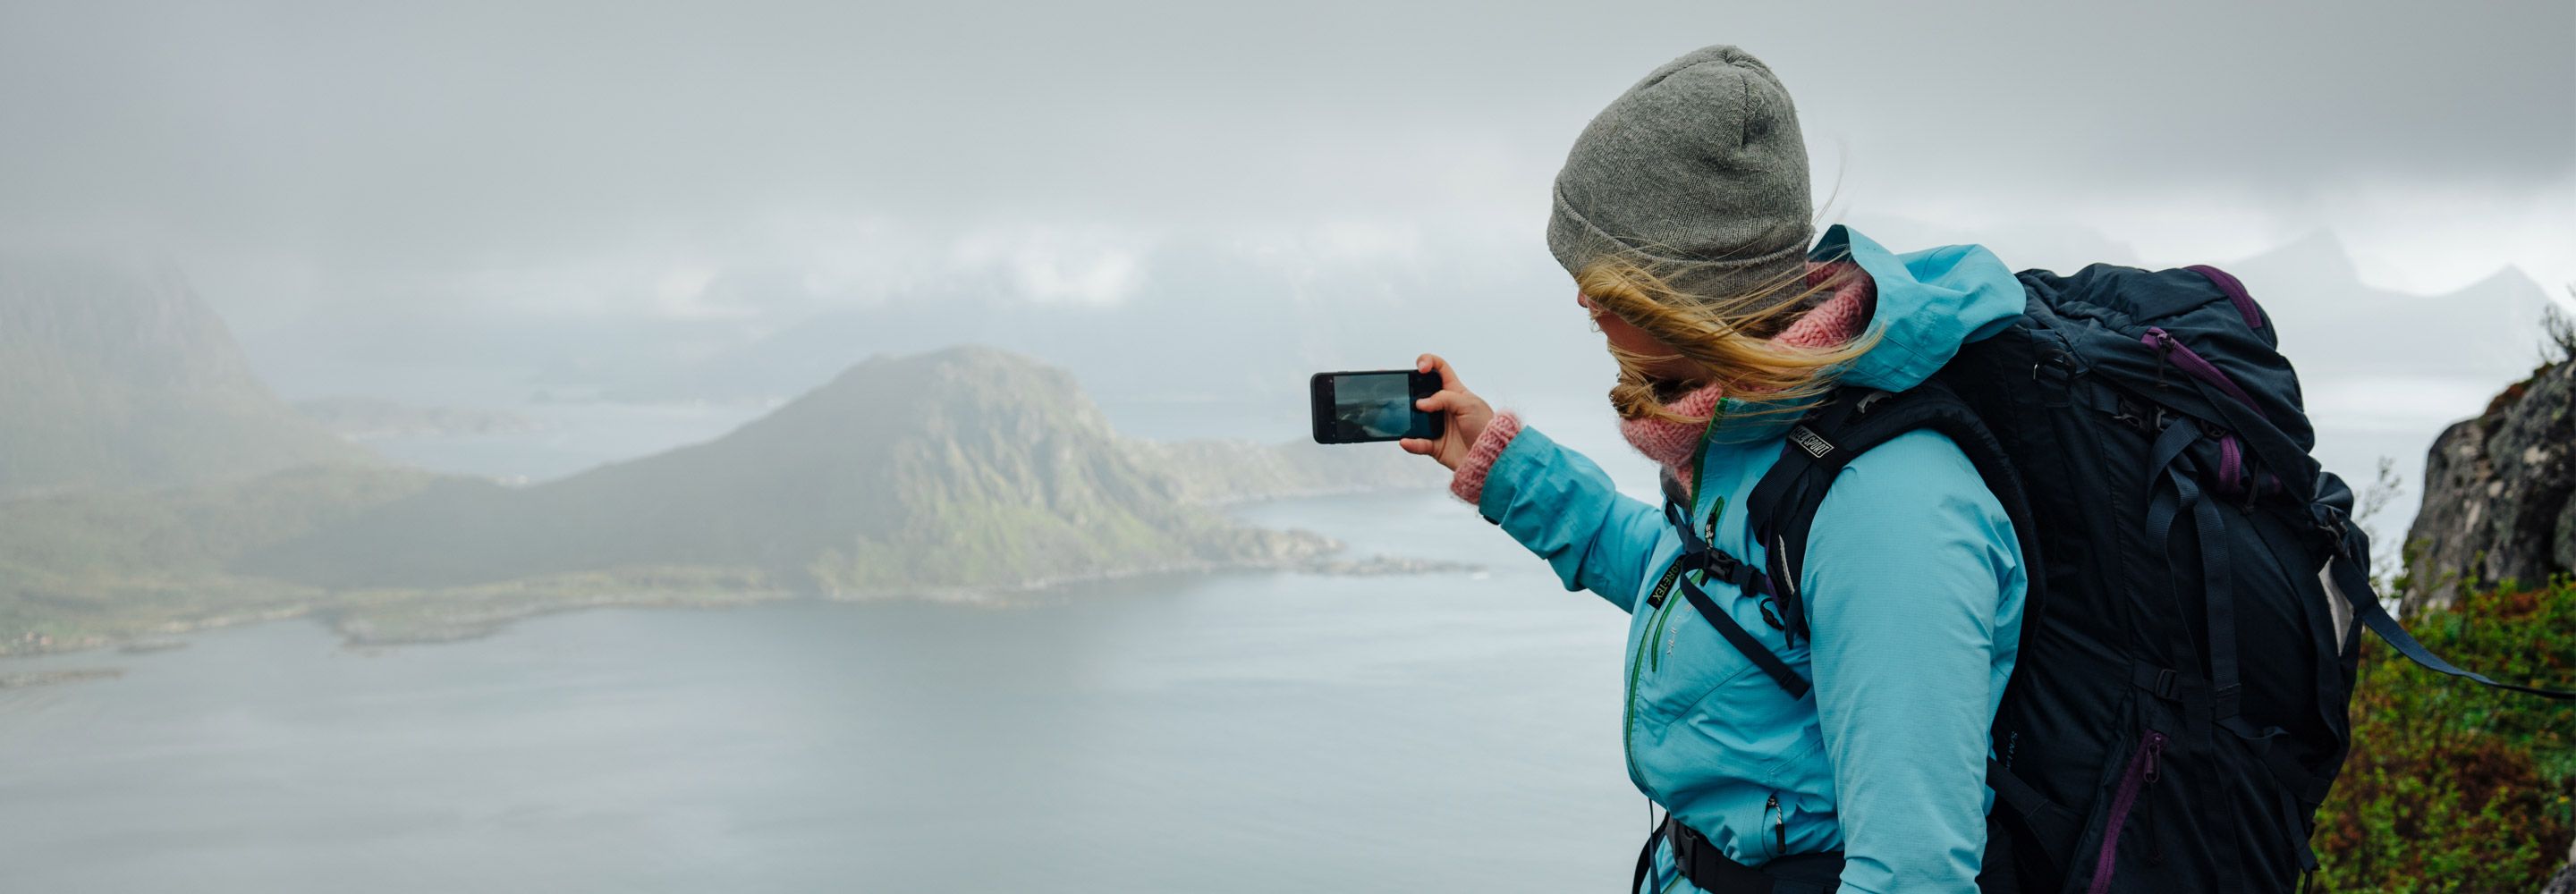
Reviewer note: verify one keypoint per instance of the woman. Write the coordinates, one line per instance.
(1683, 213)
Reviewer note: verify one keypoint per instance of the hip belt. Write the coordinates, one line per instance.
(1708, 868)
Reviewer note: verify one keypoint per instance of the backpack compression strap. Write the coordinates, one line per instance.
(2352, 580)
(2330, 505)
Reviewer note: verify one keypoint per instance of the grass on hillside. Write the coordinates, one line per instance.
(2452, 786)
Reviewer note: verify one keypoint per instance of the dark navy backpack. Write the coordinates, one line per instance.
(2177, 711)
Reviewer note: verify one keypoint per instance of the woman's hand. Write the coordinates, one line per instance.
(1468, 415)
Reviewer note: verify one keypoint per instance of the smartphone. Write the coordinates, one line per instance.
(1374, 405)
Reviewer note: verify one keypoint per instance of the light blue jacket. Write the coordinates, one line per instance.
(1914, 585)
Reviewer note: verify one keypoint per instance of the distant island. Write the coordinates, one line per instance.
(360, 418)
(960, 473)
(966, 470)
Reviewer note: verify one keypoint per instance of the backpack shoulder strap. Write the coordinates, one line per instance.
(1854, 421)
(1783, 508)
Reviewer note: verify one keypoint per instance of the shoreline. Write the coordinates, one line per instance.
(465, 618)
(1325, 565)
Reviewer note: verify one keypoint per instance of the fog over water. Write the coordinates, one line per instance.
(1236, 732)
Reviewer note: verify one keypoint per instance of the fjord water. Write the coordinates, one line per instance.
(1238, 732)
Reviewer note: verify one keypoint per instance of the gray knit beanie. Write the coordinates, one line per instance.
(1697, 171)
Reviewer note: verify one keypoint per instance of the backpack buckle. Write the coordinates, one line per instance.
(2127, 412)
(2161, 682)
(2058, 368)
(1722, 564)
(2336, 526)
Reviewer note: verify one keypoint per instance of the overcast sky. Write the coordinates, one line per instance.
(618, 158)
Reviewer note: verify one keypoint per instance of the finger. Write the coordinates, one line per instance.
(1437, 402)
(1448, 375)
(1416, 445)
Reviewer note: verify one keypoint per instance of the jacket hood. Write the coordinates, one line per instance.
(1929, 303)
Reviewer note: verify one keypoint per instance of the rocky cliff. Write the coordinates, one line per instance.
(2500, 492)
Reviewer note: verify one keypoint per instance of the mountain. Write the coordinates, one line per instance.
(2486, 333)
(969, 470)
(961, 468)
(114, 377)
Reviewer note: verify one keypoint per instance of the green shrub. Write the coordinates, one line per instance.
(2452, 786)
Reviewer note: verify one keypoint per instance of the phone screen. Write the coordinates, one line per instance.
(1356, 407)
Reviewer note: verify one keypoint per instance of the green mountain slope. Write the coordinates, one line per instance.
(116, 564)
(116, 378)
(961, 468)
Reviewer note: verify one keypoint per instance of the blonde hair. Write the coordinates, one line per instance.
(1728, 335)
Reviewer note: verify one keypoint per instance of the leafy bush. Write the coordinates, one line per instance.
(2453, 786)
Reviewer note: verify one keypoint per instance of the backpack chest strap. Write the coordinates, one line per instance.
(1714, 563)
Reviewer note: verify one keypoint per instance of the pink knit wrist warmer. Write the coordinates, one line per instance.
(1469, 483)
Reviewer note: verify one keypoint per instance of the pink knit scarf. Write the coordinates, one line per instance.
(1838, 319)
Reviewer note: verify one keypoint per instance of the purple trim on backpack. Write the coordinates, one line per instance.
(2142, 770)
(2199, 368)
(2235, 291)
(2231, 466)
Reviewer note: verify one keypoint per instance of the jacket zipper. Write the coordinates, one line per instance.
(1650, 654)
(1628, 725)
(1650, 640)
(1779, 824)
(1654, 633)
(2143, 772)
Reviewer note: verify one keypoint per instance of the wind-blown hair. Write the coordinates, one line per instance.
(1728, 334)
